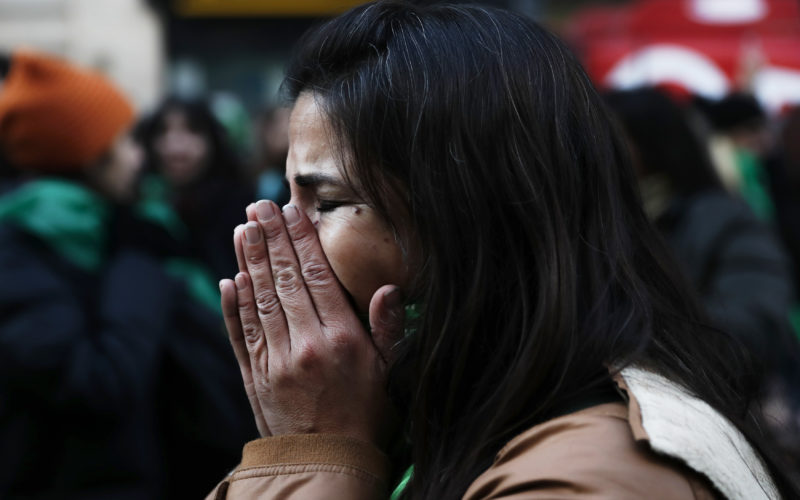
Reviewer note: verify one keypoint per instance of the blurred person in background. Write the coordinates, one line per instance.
(273, 140)
(101, 333)
(81, 325)
(192, 166)
(761, 165)
(733, 259)
(741, 142)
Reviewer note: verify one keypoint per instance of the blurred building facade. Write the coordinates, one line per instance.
(121, 38)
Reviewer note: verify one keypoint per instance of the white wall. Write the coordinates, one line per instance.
(122, 38)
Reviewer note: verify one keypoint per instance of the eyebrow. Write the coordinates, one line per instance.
(313, 180)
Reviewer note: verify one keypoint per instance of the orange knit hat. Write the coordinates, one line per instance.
(55, 117)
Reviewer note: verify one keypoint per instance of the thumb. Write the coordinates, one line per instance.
(386, 320)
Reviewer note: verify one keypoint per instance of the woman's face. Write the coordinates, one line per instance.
(117, 176)
(182, 152)
(361, 247)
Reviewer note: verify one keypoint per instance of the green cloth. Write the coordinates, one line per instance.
(155, 208)
(403, 484)
(70, 218)
(199, 283)
(754, 187)
(74, 221)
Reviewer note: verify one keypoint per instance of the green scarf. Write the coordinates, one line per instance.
(70, 218)
(73, 221)
(754, 188)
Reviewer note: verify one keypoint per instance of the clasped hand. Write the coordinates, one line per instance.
(307, 362)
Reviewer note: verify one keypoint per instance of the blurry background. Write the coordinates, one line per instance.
(234, 50)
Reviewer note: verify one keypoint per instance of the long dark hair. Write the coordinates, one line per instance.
(662, 136)
(539, 267)
(223, 163)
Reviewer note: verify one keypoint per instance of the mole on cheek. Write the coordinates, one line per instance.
(357, 210)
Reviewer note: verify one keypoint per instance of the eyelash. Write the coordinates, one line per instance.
(328, 206)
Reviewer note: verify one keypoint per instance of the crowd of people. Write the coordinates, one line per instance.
(118, 380)
(519, 294)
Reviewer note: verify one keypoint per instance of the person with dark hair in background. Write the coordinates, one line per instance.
(734, 260)
(96, 328)
(193, 186)
(80, 326)
(741, 137)
(456, 163)
(193, 167)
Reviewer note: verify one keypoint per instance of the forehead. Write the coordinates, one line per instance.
(311, 148)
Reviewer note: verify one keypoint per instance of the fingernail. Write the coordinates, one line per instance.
(220, 285)
(241, 283)
(290, 214)
(393, 297)
(265, 210)
(251, 232)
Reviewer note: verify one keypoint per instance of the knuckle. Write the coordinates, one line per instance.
(255, 257)
(342, 342)
(302, 237)
(287, 280)
(316, 273)
(272, 229)
(245, 303)
(267, 302)
(308, 356)
(280, 375)
(252, 334)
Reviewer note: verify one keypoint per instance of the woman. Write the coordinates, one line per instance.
(457, 160)
(196, 171)
(733, 260)
(97, 398)
(81, 321)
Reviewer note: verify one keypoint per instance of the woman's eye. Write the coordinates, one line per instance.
(328, 206)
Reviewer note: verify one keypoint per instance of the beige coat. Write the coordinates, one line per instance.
(664, 444)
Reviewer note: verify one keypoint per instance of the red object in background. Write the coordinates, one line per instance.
(708, 47)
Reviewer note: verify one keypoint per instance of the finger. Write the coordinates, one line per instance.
(237, 246)
(251, 212)
(230, 313)
(326, 292)
(267, 300)
(387, 319)
(287, 278)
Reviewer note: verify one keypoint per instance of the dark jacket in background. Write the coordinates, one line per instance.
(739, 268)
(79, 356)
(115, 382)
(211, 210)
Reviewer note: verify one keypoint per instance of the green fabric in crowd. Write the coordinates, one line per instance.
(68, 217)
(74, 221)
(754, 187)
(198, 280)
(155, 208)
